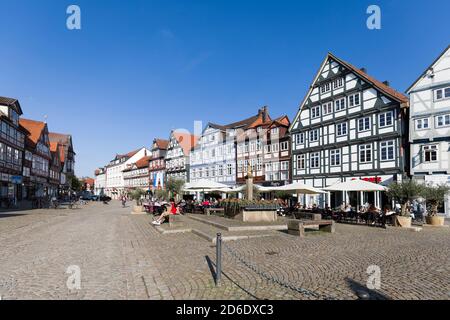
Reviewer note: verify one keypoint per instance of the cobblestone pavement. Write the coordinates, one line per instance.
(122, 257)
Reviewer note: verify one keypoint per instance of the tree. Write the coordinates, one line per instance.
(175, 186)
(283, 195)
(404, 192)
(435, 196)
(137, 195)
(75, 184)
(160, 194)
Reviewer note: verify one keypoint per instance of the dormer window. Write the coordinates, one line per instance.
(14, 117)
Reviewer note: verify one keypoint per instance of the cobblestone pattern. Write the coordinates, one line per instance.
(122, 256)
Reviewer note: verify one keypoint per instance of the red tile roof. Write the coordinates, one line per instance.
(377, 84)
(161, 143)
(34, 127)
(143, 162)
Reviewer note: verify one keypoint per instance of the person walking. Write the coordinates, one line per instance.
(124, 201)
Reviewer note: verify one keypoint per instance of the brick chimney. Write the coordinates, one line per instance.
(264, 111)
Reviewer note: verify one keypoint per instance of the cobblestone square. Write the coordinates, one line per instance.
(121, 256)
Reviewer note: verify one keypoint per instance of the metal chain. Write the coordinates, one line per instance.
(269, 277)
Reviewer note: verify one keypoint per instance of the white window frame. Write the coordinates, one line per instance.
(327, 108)
(338, 83)
(342, 104)
(315, 112)
(430, 148)
(445, 121)
(420, 124)
(443, 92)
(352, 102)
(314, 159)
(363, 121)
(385, 114)
(300, 138)
(326, 87)
(284, 146)
(341, 125)
(365, 148)
(387, 145)
(301, 161)
(312, 135)
(334, 156)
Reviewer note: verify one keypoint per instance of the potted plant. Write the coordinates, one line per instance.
(435, 196)
(403, 193)
(137, 196)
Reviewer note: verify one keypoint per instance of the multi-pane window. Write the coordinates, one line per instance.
(443, 93)
(315, 112)
(387, 150)
(335, 157)
(258, 163)
(443, 121)
(220, 169)
(300, 138)
(354, 100)
(338, 83)
(274, 130)
(229, 169)
(327, 108)
(365, 153)
(285, 165)
(314, 135)
(325, 87)
(364, 124)
(422, 124)
(339, 104)
(430, 153)
(301, 161)
(341, 129)
(284, 146)
(385, 119)
(315, 160)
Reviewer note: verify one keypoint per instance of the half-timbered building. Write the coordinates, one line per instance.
(178, 155)
(349, 126)
(429, 135)
(157, 165)
(264, 147)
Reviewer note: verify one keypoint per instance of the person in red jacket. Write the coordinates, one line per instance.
(169, 210)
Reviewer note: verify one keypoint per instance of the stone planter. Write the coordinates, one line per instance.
(259, 216)
(404, 222)
(435, 220)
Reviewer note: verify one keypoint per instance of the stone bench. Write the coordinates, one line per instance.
(297, 227)
(309, 215)
(175, 220)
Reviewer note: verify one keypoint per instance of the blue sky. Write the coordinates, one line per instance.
(138, 69)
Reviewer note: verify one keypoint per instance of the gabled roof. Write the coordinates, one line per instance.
(186, 141)
(59, 137)
(143, 162)
(11, 102)
(429, 67)
(385, 89)
(161, 143)
(34, 127)
(242, 123)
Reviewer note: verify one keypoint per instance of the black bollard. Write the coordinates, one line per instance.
(218, 258)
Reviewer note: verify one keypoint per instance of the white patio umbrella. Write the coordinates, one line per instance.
(359, 186)
(355, 185)
(298, 188)
(204, 185)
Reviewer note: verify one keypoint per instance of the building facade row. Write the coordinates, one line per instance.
(348, 126)
(34, 163)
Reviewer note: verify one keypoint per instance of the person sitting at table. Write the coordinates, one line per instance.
(373, 213)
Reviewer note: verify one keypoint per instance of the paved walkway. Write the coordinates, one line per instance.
(122, 257)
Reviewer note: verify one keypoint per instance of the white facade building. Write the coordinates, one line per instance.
(214, 157)
(100, 181)
(349, 126)
(115, 184)
(429, 135)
